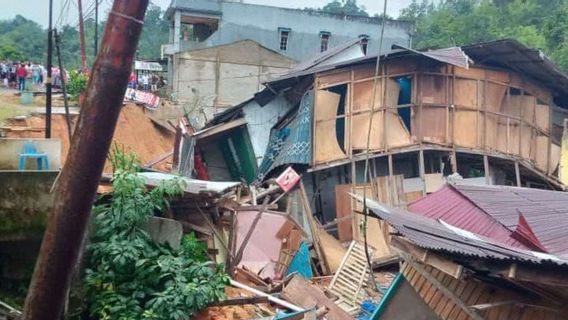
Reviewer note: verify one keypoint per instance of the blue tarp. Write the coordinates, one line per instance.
(293, 143)
(301, 262)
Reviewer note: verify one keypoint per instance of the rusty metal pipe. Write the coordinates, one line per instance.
(67, 223)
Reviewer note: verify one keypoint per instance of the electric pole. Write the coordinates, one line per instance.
(48, 78)
(85, 161)
(82, 35)
(96, 27)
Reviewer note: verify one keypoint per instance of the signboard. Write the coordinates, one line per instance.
(150, 100)
(148, 66)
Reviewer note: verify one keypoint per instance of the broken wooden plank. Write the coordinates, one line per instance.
(306, 295)
(240, 301)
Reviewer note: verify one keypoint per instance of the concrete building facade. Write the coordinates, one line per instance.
(298, 34)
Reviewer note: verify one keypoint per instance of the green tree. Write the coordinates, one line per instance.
(131, 277)
(342, 7)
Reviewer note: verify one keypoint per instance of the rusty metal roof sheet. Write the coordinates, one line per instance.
(441, 236)
(511, 54)
(546, 212)
(451, 206)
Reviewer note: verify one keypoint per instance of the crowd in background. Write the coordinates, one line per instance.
(26, 75)
(19, 75)
(146, 81)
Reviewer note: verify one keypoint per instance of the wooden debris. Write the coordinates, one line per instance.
(306, 295)
(349, 280)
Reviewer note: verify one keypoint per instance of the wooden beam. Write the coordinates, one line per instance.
(534, 275)
(240, 301)
(421, 169)
(517, 173)
(428, 257)
(486, 169)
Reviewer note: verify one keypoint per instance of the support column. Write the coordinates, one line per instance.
(517, 174)
(486, 170)
(177, 31)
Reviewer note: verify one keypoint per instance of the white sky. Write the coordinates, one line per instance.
(37, 10)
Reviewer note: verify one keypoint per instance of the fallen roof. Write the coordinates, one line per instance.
(192, 186)
(441, 236)
(330, 54)
(450, 205)
(546, 212)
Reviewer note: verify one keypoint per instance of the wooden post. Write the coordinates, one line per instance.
(517, 173)
(314, 227)
(421, 169)
(454, 161)
(486, 169)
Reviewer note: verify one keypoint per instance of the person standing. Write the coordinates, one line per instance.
(145, 81)
(22, 74)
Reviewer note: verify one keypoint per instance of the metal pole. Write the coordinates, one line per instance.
(63, 84)
(82, 36)
(85, 161)
(96, 27)
(48, 77)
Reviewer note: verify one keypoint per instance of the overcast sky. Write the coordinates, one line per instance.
(37, 10)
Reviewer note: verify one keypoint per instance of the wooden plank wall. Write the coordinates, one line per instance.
(471, 292)
(495, 112)
(350, 222)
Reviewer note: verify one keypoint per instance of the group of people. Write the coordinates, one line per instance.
(18, 74)
(146, 82)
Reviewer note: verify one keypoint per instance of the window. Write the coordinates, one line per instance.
(324, 40)
(284, 33)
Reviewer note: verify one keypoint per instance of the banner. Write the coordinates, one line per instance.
(150, 100)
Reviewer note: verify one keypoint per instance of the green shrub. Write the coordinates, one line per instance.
(76, 84)
(131, 277)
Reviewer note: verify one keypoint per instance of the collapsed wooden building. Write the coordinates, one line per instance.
(490, 113)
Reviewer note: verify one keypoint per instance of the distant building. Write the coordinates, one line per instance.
(293, 33)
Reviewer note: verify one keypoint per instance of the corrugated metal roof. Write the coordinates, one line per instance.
(546, 212)
(511, 54)
(192, 186)
(449, 205)
(438, 235)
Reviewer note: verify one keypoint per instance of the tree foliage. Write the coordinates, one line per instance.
(131, 277)
(342, 7)
(535, 23)
(23, 39)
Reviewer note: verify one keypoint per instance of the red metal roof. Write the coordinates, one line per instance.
(521, 217)
(449, 205)
(546, 212)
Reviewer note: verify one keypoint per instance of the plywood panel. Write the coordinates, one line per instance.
(433, 181)
(326, 147)
(491, 132)
(526, 141)
(554, 158)
(541, 152)
(434, 124)
(401, 66)
(465, 128)
(494, 97)
(362, 97)
(376, 229)
(542, 117)
(343, 211)
(397, 133)
(360, 129)
(433, 89)
(465, 93)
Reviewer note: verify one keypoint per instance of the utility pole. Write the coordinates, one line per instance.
(48, 78)
(63, 84)
(82, 36)
(81, 173)
(96, 27)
